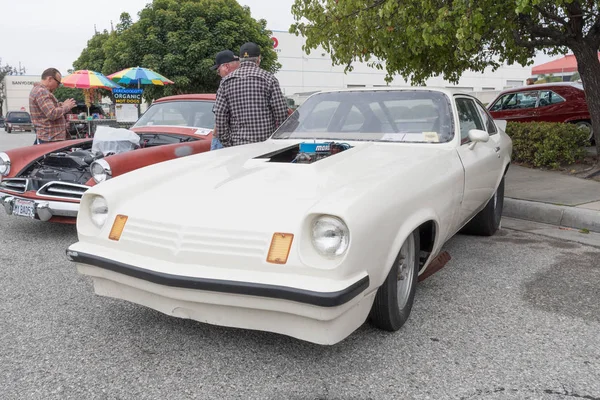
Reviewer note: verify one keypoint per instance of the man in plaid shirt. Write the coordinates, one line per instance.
(249, 104)
(47, 114)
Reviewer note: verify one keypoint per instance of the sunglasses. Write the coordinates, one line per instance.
(57, 81)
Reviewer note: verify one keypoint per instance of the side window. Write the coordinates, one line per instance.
(488, 121)
(548, 97)
(526, 100)
(468, 118)
(499, 105)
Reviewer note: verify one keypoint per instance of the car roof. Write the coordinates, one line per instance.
(539, 86)
(190, 96)
(450, 92)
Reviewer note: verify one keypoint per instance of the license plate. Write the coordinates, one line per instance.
(24, 208)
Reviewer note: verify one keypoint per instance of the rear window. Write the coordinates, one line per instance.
(19, 116)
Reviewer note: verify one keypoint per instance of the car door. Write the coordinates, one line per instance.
(516, 106)
(481, 162)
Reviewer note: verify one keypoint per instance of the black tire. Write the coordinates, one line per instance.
(386, 312)
(487, 221)
(8, 130)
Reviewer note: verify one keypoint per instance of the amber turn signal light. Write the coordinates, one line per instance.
(117, 228)
(279, 251)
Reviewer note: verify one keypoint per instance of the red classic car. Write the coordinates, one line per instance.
(46, 181)
(547, 102)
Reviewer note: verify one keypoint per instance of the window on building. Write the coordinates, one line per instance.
(513, 83)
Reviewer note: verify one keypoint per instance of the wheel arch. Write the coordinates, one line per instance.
(427, 223)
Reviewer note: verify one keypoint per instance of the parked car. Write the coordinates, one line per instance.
(47, 181)
(546, 102)
(326, 223)
(18, 121)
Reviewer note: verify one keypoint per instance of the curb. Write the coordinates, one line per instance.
(565, 216)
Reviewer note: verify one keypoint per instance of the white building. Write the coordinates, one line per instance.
(301, 74)
(17, 92)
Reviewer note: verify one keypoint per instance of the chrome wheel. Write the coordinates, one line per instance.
(587, 127)
(406, 271)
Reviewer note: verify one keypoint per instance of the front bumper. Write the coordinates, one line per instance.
(323, 317)
(44, 209)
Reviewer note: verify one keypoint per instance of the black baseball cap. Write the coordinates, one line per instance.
(249, 50)
(224, 57)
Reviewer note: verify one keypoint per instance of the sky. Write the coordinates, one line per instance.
(40, 33)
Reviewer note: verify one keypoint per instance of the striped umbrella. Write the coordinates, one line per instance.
(86, 79)
(139, 76)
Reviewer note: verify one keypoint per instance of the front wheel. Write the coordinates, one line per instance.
(487, 221)
(394, 298)
(8, 130)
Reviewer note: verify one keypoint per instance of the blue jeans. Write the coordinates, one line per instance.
(215, 144)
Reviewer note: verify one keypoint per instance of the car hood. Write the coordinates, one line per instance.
(186, 130)
(232, 184)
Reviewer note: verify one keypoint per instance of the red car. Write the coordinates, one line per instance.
(547, 102)
(47, 181)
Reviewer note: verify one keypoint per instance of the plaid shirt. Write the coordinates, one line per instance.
(249, 106)
(47, 114)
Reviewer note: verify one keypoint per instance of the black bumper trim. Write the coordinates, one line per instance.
(322, 299)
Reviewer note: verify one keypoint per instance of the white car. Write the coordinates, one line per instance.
(327, 223)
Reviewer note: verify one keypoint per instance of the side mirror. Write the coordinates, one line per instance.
(476, 136)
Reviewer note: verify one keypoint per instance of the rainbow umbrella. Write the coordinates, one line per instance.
(89, 81)
(86, 79)
(139, 76)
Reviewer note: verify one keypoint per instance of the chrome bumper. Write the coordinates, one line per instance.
(44, 209)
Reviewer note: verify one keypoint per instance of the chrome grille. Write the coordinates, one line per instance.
(18, 185)
(63, 189)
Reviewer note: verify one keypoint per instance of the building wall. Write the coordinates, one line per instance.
(307, 73)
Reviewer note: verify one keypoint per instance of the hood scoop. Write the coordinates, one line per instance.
(304, 153)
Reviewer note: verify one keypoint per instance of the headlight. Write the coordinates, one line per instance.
(4, 164)
(100, 171)
(99, 211)
(330, 236)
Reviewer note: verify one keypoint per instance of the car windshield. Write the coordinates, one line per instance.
(23, 116)
(396, 116)
(194, 114)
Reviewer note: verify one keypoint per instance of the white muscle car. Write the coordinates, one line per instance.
(309, 233)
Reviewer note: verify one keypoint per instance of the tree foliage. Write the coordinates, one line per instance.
(62, 93)
(418, 39)
(179, 39)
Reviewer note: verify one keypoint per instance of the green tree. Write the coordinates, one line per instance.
(419, 39)
(180, 39)
(4, 71)
(548, 78)
(62, 93)
(93, 56)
